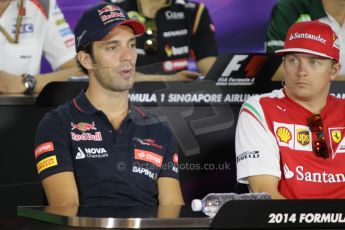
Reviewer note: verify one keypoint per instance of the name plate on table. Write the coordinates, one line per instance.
(250, 214)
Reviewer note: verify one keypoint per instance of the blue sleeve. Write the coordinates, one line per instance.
(170, 166)
(52, 147)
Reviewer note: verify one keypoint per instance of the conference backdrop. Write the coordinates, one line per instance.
(240, 24)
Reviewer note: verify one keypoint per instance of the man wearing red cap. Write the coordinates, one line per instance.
(290, 142)
(98, 149)
(287, 12)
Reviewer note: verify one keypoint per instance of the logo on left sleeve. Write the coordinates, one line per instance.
(46, 163)
(44, 148)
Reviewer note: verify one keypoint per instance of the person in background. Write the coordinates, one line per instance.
(290, 142)
(99, 149)
(29, 29)
(175, 31)
(287, 12)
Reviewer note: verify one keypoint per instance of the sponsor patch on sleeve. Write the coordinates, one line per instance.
(175, 158)
(46, 163)
(148, 156)
(44, 148)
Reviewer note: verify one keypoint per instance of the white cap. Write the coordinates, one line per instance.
(196, 205)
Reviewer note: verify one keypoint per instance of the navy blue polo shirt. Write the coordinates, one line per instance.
(111, 167)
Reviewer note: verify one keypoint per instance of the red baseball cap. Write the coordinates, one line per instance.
(312, 37)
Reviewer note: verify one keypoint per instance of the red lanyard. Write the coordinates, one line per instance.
(21, 13)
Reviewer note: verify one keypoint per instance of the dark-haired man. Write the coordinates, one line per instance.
(98, 149)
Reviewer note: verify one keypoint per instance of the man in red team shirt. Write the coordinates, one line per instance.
(290, 142)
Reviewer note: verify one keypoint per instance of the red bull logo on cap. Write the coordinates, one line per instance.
(107, 8)
(83, 126)
(118, 15)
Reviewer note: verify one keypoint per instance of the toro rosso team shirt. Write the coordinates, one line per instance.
(273, 138)
(111, 167)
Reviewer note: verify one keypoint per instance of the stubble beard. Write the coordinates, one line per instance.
(110, 80)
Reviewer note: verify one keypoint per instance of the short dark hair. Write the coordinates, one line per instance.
(86, 49)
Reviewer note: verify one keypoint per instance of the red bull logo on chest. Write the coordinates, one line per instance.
(83, 126)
